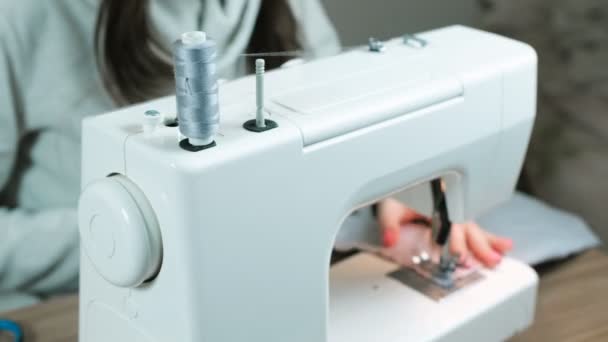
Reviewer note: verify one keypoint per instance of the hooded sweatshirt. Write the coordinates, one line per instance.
(49, 82)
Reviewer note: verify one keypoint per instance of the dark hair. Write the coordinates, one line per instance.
(135, 66)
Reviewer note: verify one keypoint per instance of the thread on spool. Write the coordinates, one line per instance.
(196, 87)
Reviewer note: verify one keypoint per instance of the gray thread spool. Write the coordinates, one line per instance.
(196, 87)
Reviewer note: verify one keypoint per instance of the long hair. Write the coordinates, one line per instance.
(135, 66)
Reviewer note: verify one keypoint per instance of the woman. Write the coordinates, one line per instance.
(63, 60)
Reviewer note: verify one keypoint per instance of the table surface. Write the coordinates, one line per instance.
(572, 306)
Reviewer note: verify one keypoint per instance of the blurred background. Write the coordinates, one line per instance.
(356, 20)
(567, 162)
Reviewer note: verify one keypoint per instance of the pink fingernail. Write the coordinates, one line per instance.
(389, 237)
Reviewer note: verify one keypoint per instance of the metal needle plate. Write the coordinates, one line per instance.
(427, 285)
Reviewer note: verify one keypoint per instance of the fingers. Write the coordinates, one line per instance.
(389, 217)
(480, 246)
(409, 215)
(390, 236)
(458, 242)
(500, 244)
(466, 239)
(392, 214)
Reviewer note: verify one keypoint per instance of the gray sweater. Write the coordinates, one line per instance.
(48, 83)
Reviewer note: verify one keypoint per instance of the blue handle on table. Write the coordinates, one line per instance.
(13, 328)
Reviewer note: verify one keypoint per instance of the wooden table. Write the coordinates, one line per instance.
(572, 306)
(572, 302)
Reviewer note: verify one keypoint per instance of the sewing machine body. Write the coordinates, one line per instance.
(247, 227)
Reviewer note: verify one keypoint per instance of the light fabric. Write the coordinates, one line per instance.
(48, 83)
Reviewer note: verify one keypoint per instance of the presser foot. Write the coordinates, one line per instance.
(436, 280)
(443, 273)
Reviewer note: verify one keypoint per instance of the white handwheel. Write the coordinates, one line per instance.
(119, 231)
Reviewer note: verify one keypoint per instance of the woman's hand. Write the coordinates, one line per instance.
(466, 239)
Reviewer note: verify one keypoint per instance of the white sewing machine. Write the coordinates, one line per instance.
(233, 243)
